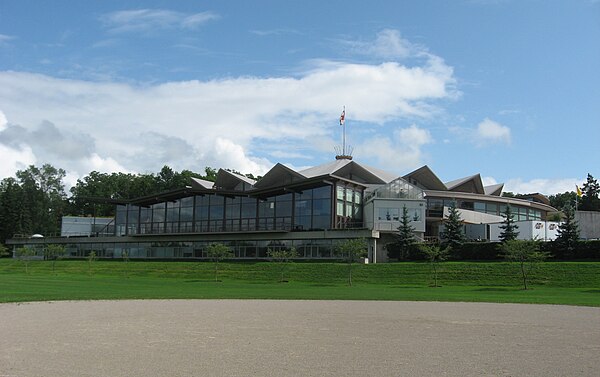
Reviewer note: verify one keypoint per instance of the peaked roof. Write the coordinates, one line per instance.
(351, 170)
(495, 190)
(279, 174)
(229, 180)
(426, 178)
(198, 183)
(471, 184)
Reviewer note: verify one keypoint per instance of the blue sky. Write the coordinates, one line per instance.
(508, 89)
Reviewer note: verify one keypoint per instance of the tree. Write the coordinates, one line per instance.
(526, 254)
(91, 258)
(435, 254)
(4, 251)
(217, 252)
(405, 238)
(509, 228)
(351, 251)
(25, 254)
(125, 256)
(454, 232)
(590, 191)
(283, 257)
(562, 200)
(54, 252)
(568, 231)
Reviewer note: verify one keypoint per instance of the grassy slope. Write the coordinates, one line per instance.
(574, 283)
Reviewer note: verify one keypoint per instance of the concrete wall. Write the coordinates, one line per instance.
(529, 230)
(589, 224)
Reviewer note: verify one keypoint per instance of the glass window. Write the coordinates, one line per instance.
(340, 208)
(467, 205)
(479, 207)
(340, 193)
(322, 192)
(491, 208)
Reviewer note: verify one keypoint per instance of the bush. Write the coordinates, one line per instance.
(477, 251)
(581, 250)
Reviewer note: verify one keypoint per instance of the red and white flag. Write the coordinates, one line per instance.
(343, 117)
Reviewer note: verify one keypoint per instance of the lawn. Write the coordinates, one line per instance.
(571, 283)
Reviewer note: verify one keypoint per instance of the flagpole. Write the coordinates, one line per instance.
(344, 134)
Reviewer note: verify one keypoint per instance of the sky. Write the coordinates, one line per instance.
(507, 89)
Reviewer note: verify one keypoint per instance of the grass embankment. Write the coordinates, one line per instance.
(571, 283)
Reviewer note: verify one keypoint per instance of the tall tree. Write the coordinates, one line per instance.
(568, 231)
(405, 238)
(562, 200)
(509, 228)
(590, 191)
(454, 232)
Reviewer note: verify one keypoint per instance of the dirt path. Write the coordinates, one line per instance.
(297, 338)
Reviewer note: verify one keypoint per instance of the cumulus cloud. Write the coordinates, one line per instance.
(14, 159)
(401, 152)
(3, 121)
(236, 122)
(489, 131)
(146, 20)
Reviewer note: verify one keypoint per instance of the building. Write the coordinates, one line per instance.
(311, 210)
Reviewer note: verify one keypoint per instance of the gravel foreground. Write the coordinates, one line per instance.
(297, 338)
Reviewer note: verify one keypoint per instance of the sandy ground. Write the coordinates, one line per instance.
(297, 338)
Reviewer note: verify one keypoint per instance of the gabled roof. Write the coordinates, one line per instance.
(279, 175)
(229, 180)
(200, 184)
(495, 190)
(426, 178)
(351, 170)
(472, 184)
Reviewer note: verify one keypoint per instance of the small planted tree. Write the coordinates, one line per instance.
(454, 232)
(351, 251)
(91, 258)
(526, 254)
(405, 236)
(282, 257)
(125, 257)
(434, 255)
(53, 253)
(509, 228)
(25, 254)
(218, 252)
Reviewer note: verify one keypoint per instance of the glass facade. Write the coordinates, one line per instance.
(306, 210)
(307, 249)
(435, 208)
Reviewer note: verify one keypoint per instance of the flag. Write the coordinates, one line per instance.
(343, 117)
(579, 193)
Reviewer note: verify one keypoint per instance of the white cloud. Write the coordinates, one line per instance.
(400, 152)
(147, 20)
(236, 122)
(14, 159)
(3, 121)
(5, 38)
(388, 44)
(542, 185)
(489, 131)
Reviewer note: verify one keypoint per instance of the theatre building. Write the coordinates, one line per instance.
(311, 210)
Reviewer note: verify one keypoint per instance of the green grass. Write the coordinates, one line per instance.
(570, 283)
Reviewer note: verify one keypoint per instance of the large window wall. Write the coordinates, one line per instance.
(348, 207)
(435, 208)
(304, 210)
(307, 249)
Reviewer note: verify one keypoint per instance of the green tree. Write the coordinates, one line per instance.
(4, 251)
(53, 252)
(351, 250)
(25, 254)
(567, 198)
(568, 231)
(218, 252)
(590, 191)
(454, 231)
(526, 254)
(405, 238)
(434, 255)
(125, 257)
(509, 228)
(282, 257)
(91, 258)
